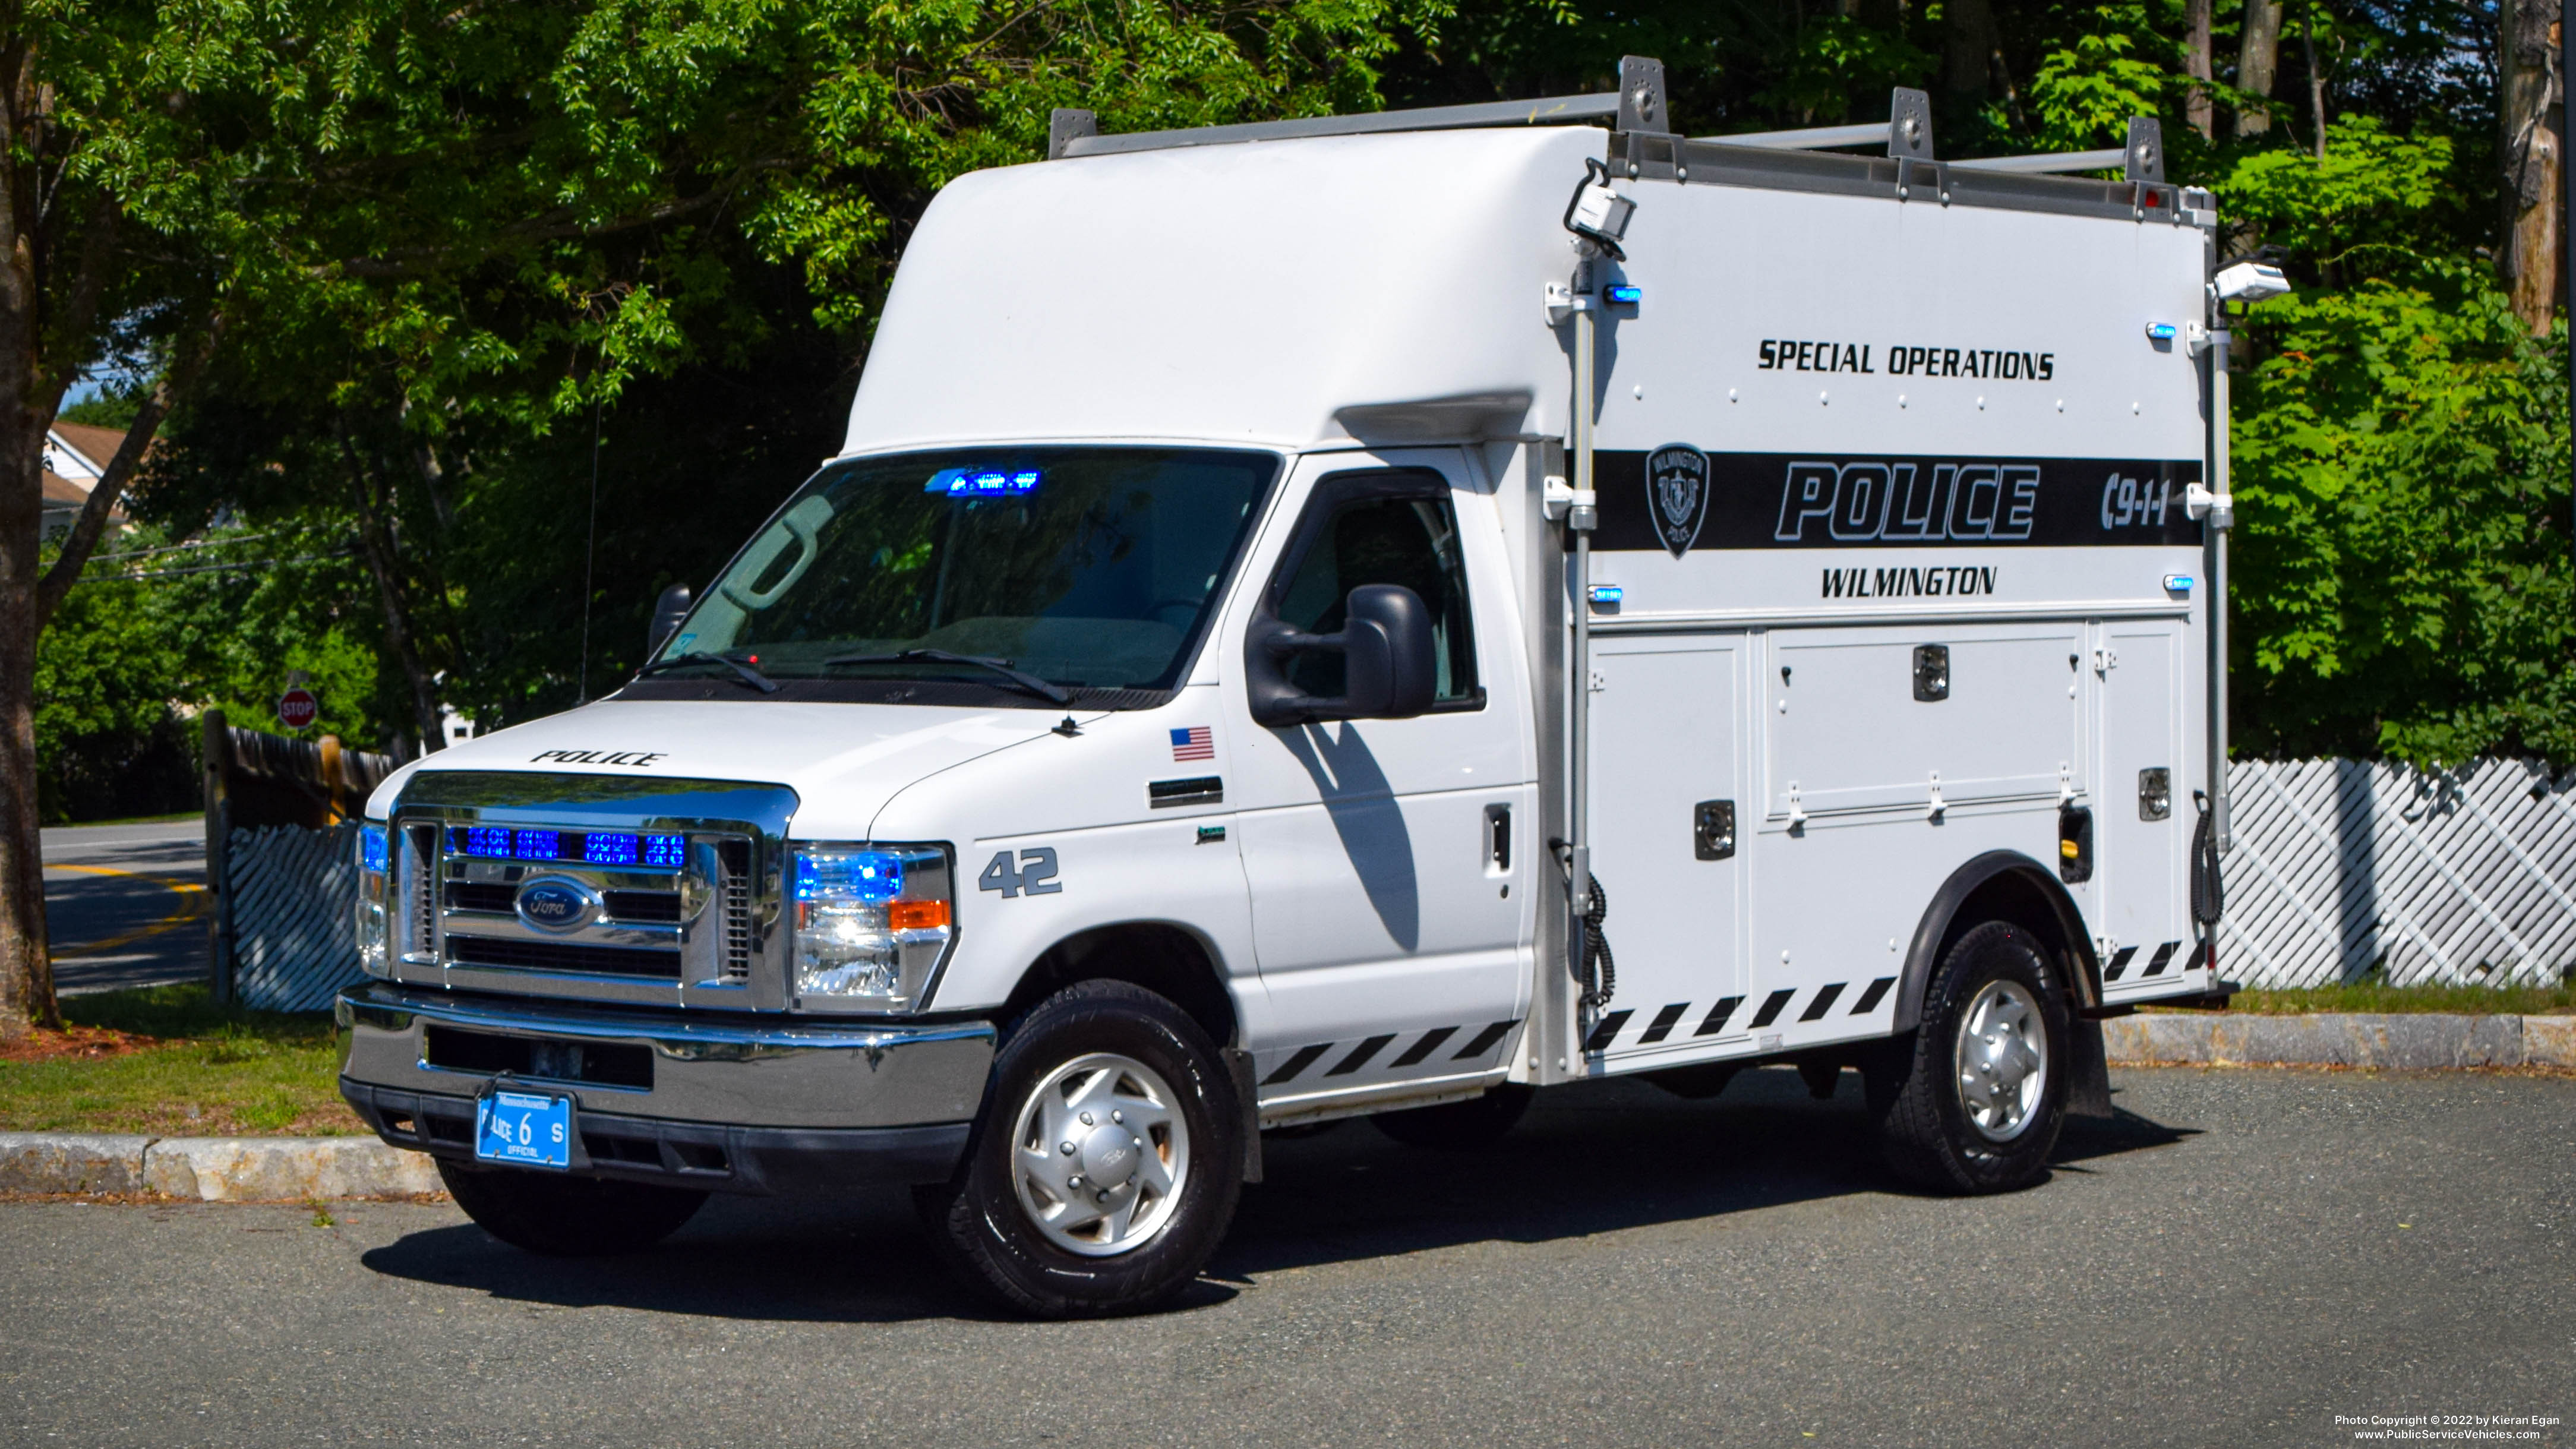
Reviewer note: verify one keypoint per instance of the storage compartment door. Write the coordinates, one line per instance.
(2142, 847)
(1666, 763)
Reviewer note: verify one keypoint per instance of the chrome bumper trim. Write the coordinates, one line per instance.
(707, 1067)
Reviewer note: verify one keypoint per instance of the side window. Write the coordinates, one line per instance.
(1381, 540)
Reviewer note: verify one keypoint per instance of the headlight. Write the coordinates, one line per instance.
(872, 925)
(374, 869)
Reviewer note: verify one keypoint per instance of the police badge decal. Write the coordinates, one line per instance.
(1677, 494)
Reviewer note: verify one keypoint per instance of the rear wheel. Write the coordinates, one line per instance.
(1458, 1126)
(1979, 1106)
(568, 1217)
(1105, 1167)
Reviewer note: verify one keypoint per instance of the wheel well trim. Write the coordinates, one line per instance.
(1057, 958)
(1933, 933)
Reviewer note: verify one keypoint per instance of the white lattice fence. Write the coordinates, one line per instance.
(2343, 867)
(294, 894)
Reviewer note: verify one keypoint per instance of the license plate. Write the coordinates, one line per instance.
(523, 1129)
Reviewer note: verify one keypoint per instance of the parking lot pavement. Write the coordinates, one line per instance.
(2240, 1257)
(125, 904)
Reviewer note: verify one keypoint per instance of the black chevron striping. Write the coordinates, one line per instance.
(2164, 953)
(1772, 1006)
(1662, 1026)
(1298, 1061)
(1484, 1041)
(2119, 963)
(1430, 1043)
(1606, 1031)
(1823, 1003)
(1717, 1016)
(1869, 999)
(1360, 1055)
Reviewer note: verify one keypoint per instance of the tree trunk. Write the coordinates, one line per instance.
(1967, 57)
(2316, 79)
(26, 967)
(2258, 62)
(2197, 107)
(377, 544)
(2534, 124)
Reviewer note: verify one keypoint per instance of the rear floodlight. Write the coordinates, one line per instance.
(2251, 282)
(1598, 214)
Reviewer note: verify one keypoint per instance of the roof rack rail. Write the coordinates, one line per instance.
(1907, 134)
(2143, 159)
(1638, 105)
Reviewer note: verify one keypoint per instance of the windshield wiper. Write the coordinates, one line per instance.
(750, 676)
(1052, 694)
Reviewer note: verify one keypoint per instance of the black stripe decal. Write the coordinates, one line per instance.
(1484, 1041)
(2119, 963)
(2164, 953)
(1430, 1043)
(1717, 1016)
(1823, 1003)
(1663, 1023)
(1772, 1006)
(1360, 1055)
(1299, 1061)
(1869, 999)
(1607, 1030)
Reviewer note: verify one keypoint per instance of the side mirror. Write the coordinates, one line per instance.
(1390, 663)
(668, 611)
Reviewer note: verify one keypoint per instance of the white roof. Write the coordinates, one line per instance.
(1282, 293)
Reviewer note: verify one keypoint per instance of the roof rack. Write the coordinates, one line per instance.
(1638, 105)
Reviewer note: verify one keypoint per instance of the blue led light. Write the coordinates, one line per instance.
(2161, 331)
(488, 841)
(1624, 295)
(2178, 583)
(1607, 594)
(372, 852)
(666, 850)
(608, 847)
(869, 876)
(536, 845)
(984, 482)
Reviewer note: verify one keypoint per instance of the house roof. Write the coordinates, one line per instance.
(61, 492)
(97, 444)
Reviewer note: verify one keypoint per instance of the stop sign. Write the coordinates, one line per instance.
(296, 708)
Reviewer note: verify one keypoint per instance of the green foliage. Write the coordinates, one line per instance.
(2402, 491)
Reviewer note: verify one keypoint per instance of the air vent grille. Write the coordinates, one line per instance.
(736, 856)
(420, 880)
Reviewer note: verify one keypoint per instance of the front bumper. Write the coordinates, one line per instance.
(717, 1100)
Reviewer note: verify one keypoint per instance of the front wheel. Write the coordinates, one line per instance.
(568, 1217)
(1979, 1106)
(1105, 1167)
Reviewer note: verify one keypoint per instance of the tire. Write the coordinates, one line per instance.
(1067, 1246)
(1978, 1107)
(568, 1217)
(1458, 1126)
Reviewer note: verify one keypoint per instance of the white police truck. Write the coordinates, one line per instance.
(1371, 615)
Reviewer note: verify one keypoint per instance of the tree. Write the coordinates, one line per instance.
(2258, 63)
(2533, 116)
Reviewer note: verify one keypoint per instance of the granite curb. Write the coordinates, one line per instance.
(2405, 1042)
(299, 1169)
(212, 1169)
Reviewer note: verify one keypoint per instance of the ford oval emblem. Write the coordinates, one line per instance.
(552, 903)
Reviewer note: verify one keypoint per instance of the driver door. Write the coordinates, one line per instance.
(1386, 858)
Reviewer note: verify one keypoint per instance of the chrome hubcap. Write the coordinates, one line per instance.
(2003, 1061)
(1101, 1155)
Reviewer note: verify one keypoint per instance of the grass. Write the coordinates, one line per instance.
(128, 820)
(2380, 999)
(168, 1061)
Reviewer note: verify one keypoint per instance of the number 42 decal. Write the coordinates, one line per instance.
(1032, 874)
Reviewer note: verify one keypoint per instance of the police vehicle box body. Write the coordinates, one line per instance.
(1369, 615)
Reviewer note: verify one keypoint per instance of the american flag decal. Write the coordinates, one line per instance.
(1194, 743)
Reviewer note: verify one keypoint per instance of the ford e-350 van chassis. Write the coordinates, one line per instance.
(1372, 616)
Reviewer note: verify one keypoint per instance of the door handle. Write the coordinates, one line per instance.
(1498, 839)
(1713, 829)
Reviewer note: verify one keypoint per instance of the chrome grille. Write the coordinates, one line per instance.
(736, 856)
(420, 877)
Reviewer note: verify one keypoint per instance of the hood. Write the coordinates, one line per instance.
(843, 760)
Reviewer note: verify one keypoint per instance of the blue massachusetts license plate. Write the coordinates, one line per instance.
(524, 1129)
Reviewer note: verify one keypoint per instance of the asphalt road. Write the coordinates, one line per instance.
(124, 904)
(2241, 1257)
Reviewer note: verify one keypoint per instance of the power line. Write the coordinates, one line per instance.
(243, 567)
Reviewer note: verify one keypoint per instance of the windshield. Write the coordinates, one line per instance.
(1087, 568)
